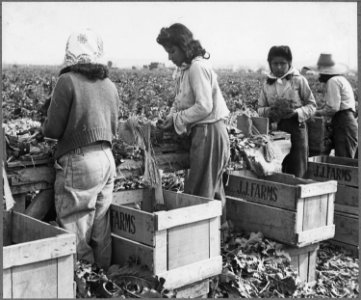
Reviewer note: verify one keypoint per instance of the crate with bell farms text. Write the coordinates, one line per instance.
(180, 243)
(285, 208)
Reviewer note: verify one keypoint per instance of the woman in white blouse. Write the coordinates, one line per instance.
(199, 110)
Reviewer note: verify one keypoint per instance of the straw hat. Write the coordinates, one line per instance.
(83, 46)
(327, 66)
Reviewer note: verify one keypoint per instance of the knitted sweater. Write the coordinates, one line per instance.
(81, 112)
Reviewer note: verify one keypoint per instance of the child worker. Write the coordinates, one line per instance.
(339, 106)
(82, 116)
(199, 110)
(287, 100)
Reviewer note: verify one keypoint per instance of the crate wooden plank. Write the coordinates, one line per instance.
(35, 280)
(279, 224)
(347, 199)
(28, 229)
(64, 264)
(215, 237)
(125, 249)
(175, 200)
(133, 196)
(28, 163)
(342, 169)
(7, 284)
(347, 229)
(31, 175)
(41, 204)
(186, 215)
(192, 273)
(195, 290)
(131, 223)
(262, 124)
(31, 187)
(315, 204)
(271, 221)
(160, 254)
(304, 261)
(188, 244)
(38, 250)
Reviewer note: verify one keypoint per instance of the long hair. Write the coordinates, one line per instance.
(91, 71)
(180, 36)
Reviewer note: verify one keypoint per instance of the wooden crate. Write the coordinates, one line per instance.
(199, 289)
(180, 244)
(304, 261)
(291, 210)
(342, 169)
(316, 135)
(347, 232)
(38, 259)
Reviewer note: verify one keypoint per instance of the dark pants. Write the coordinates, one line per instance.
(344, 133)
(296, 161)
(209, 155)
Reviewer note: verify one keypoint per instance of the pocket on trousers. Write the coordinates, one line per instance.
(86, 172)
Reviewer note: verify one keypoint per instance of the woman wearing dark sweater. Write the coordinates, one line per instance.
(82, 116)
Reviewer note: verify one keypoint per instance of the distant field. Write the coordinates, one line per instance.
(146, 92)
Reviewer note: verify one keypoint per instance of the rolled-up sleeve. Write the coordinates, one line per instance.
(201, 85)
(58, 112)
(308, 109)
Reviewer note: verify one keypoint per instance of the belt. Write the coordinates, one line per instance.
(99, 145)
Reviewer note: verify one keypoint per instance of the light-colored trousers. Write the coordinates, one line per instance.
(83, 194)
(209, 155)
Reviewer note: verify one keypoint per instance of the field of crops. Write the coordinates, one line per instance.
(150, 94)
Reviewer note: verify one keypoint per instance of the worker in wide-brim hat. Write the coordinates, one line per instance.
(339, 106)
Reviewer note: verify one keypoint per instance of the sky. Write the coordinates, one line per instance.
(234, 33)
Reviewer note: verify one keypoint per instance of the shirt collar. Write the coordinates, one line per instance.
(292, 71)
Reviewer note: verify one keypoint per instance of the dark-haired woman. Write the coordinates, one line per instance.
(82, 116)
(339, 106)
(287, 100)
(200, 111)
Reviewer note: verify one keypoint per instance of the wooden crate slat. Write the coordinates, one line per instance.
(315, 212)
(123, 249)
(25, 229)
(7, 284)
(188, 244)
(175, 200)
(133, 196)
(160, 252)
(31, 175)
(347, 229)
(35, 280)
(31, 187)
(192, 273)
(131, 223)
(347, 199)
(316, 235)
(38, 250)
(186, 215)
(317, 188)
(271, 221)
(65, 281)
(215, 237)
(343, 170)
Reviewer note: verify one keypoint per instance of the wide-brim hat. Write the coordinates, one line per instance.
(326, 65)
(84, 46)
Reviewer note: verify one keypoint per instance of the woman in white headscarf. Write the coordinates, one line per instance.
(83, 116)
